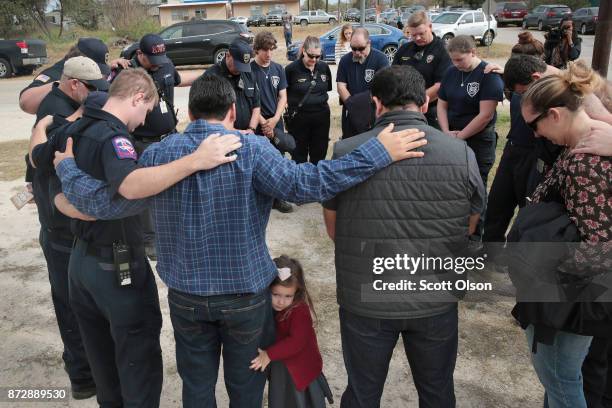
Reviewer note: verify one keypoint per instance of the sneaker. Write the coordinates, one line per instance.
(83, 392)
(282, 206)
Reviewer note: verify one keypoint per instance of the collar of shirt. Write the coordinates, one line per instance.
(104, 115)
(58, 93)
(401, 118)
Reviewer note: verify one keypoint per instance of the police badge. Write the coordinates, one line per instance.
(246, 58)
(324, 78)
(275, 80)
(369, 74)
(472, 88)
(429, 59)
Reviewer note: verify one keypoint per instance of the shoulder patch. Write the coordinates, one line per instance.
(124, 148)
(42, 78)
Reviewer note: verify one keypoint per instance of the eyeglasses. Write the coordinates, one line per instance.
(311, 56)
(358, 49)
(534, 123)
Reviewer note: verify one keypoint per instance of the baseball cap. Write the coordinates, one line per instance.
(87, 71)
(96, 99)
(95, 49)
(152, 45)
(241, 53)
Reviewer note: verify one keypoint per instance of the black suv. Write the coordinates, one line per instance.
(197, 42)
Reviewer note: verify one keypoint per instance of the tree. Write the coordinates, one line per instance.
(23, 15)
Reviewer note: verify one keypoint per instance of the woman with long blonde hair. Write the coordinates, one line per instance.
(343, 45)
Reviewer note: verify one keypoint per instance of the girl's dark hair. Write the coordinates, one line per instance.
(528, 45)
(295, 280)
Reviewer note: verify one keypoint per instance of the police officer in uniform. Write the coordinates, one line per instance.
(162, 120)
(309, 80)
(236, 68)
(80, 75)
(112, 287)
(427, 54)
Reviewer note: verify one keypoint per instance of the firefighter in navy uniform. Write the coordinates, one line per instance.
(427, 54)
(162, 120)
(112, 287)
(236, 68)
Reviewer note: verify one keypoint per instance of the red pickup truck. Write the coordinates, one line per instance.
(21, 56)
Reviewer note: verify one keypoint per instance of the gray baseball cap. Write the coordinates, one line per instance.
(87, 71)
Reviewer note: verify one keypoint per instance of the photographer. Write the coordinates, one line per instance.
(562, 44)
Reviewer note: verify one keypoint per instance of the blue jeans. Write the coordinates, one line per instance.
(205, 327)
(558, 367)
(430, 344)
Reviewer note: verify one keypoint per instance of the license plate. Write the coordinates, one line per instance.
(34, 61)
(515, 14)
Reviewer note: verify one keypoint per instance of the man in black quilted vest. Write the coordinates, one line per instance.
(411, 211)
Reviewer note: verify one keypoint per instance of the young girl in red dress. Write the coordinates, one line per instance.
(296, 376)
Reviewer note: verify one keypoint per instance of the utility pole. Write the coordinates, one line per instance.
(603, 37)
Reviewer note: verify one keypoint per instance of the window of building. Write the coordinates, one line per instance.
(179, 15)
(200, 14)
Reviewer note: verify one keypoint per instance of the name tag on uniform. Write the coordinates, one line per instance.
(163, 107)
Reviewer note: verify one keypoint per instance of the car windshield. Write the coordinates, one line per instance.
(515, 6)
(447, 18)
(561, 9)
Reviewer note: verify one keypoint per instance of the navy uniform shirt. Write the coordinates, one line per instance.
(464, 101)
(247, 92)
(160, 121)
(104, 149)
(356, 76)
(520, 133)
(47, 76)
(59, 104)
(270, 81)
(431, 61)
(299, 79)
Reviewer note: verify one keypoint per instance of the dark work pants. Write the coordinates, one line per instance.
(483, 144)
(146, 218)
(57, 254)
(206, 326)
(287, 35)
(430, 344)
(508, 190)
(120, 328)
(597, 374)
(311, 133)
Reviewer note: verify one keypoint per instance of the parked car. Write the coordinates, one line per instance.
(546, 16)
(275, 17)
(313, 17)
(585, 19)
(412, 9)
(370, 15)
(239, 20)
(21, 56)
(256, 20)
(383, 38)
(510, 12)
(197, 42)
(469, 22)
(388, 17)
(352, 14)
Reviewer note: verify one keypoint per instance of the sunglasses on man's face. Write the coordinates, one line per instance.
(358, 49)
(313, 56)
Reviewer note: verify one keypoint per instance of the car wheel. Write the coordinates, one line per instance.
(219, 55)
(583, 29)
(524, 25)
(303, 23)
(487, 38)
(5, 68)
(540, 25)
(332, 21)
(390, 51)
(447, 37)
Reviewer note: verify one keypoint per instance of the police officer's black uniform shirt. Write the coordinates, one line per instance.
(105, 150)
(520, 134)
(299, 79)
(160, 121)
(356, 76)
(270, 81)
(247, 92)
(61, 105)
(431, 61)
(47, 76)
(464, 100)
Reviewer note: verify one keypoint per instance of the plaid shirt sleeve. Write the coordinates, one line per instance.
(92, 196)
(300, 183)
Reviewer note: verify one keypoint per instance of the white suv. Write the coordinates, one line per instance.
(472, 22)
